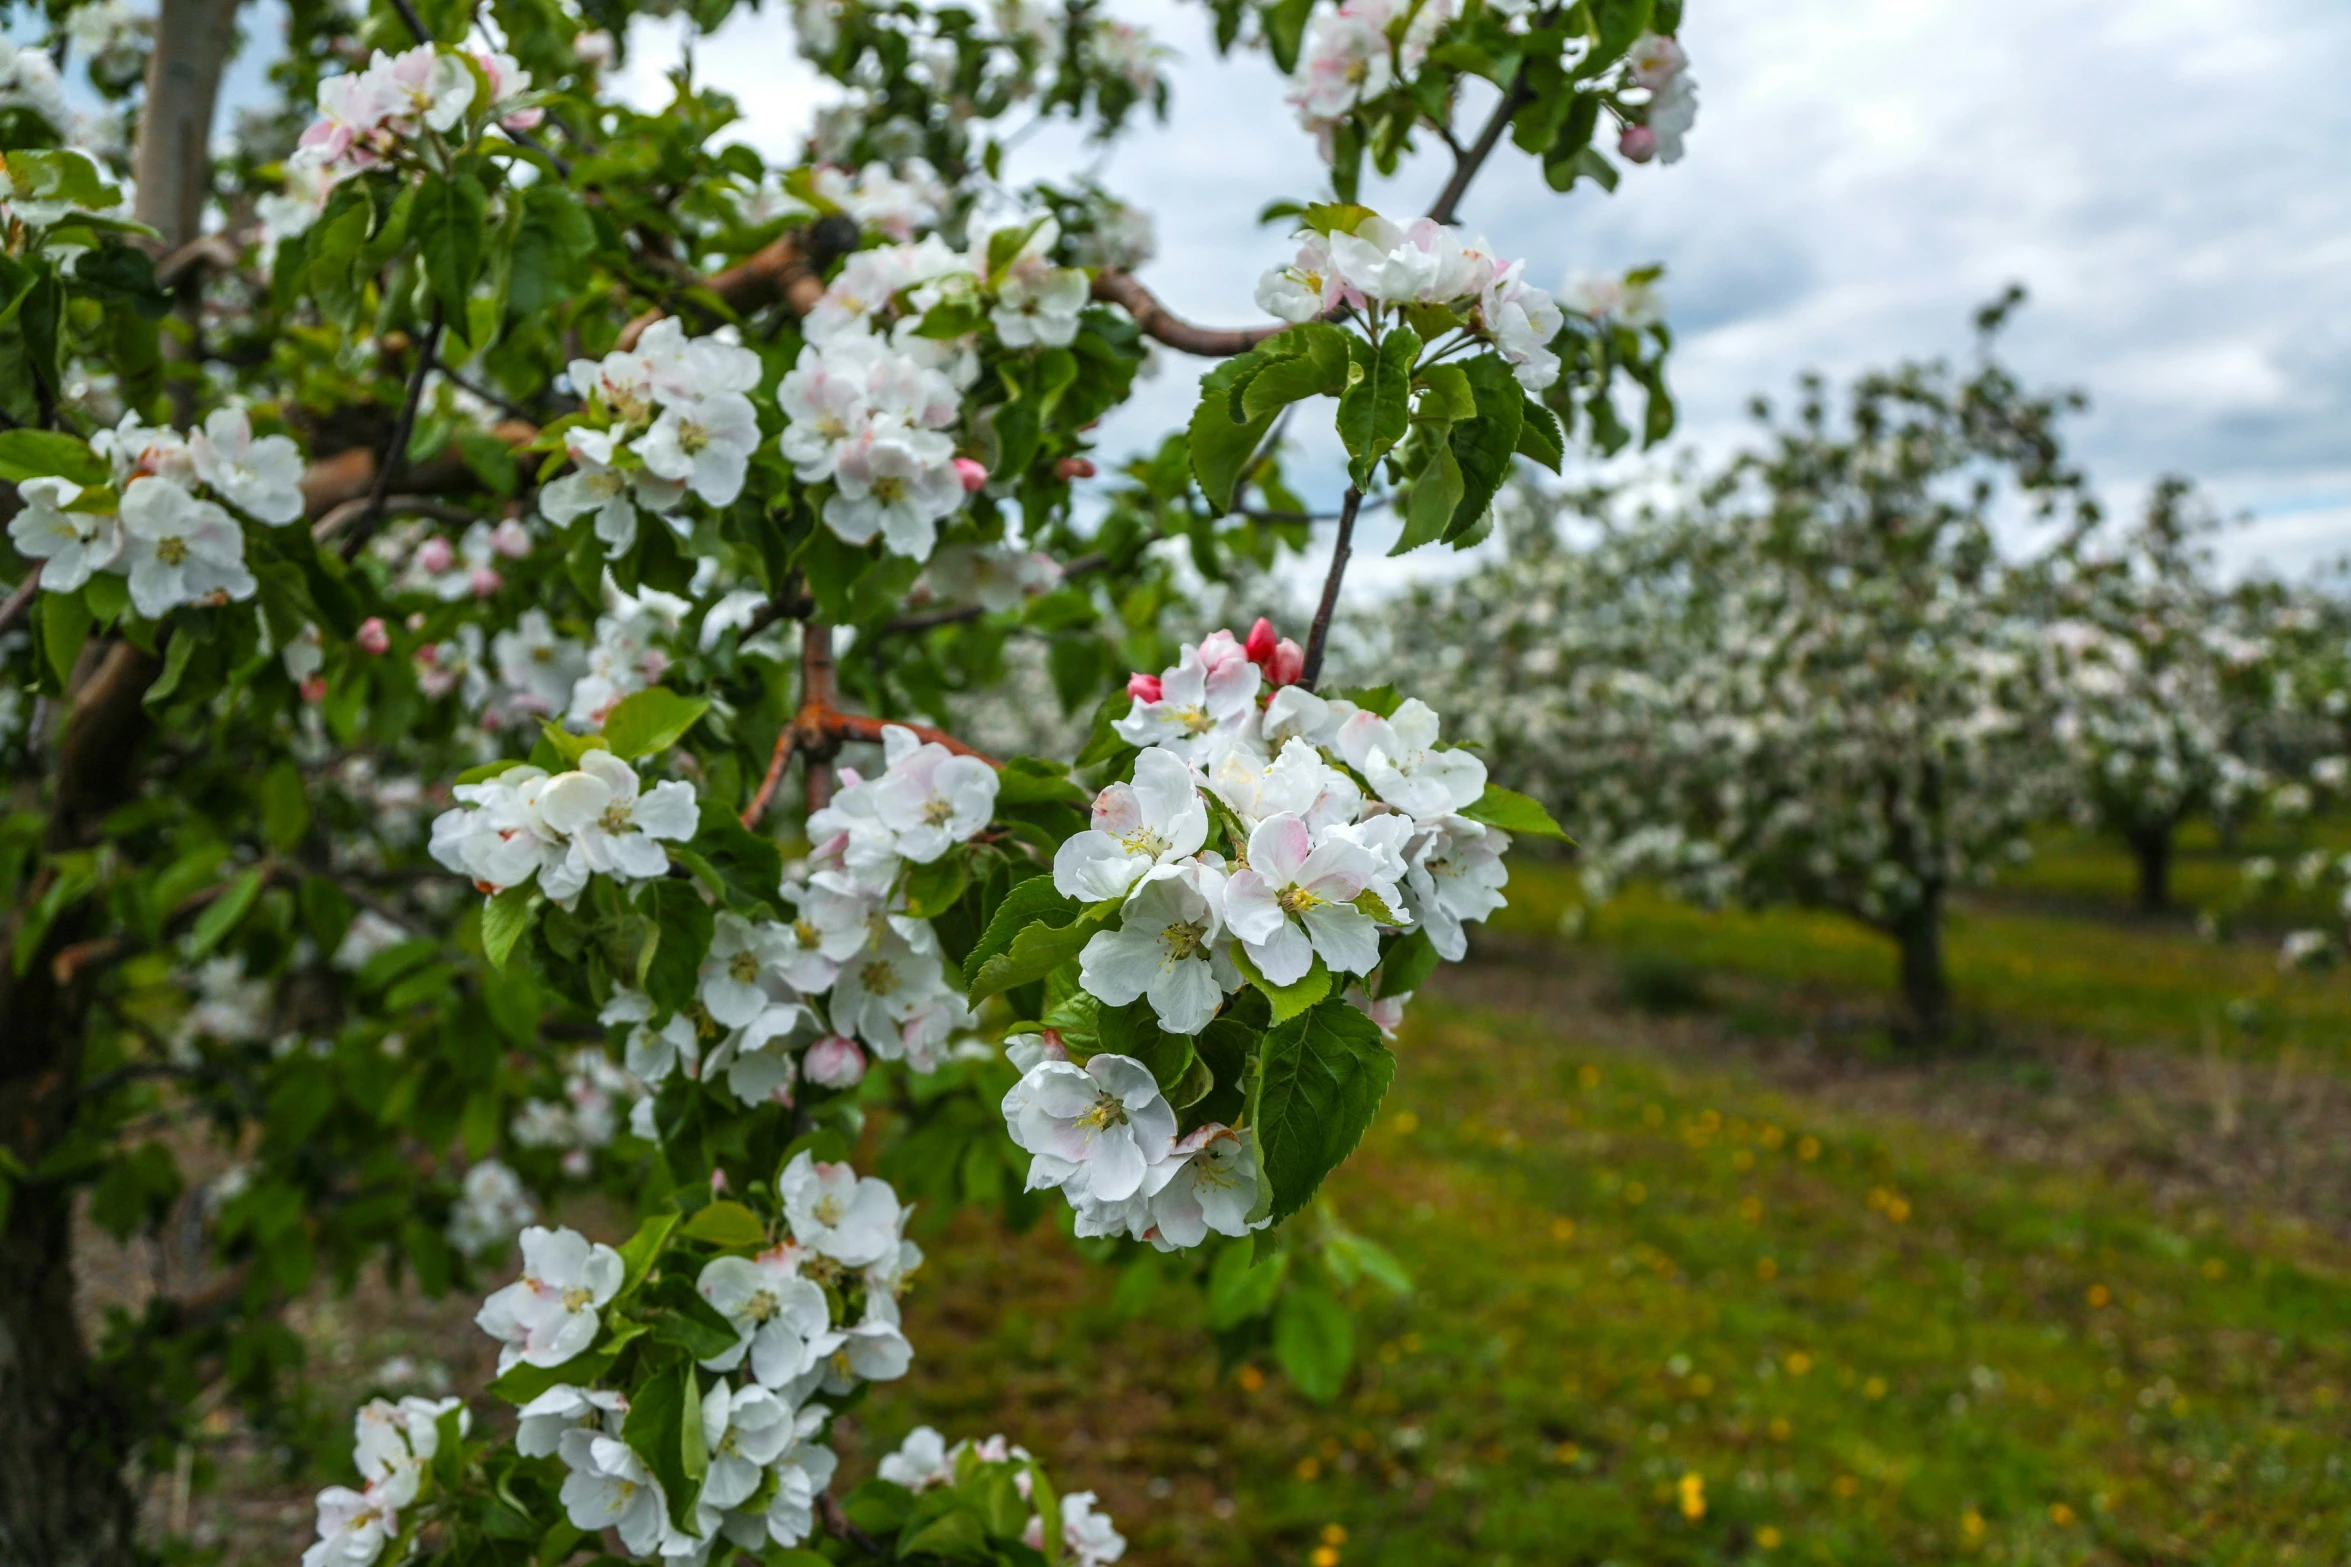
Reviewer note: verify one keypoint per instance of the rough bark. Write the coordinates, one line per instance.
(1926, 983)
(64, 1496)
(171, 165)
(2151, 853)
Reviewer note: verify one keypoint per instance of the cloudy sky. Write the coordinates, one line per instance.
(2170, 178)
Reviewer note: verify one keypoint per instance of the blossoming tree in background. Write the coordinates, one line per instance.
(495, 579)
(1811, 680)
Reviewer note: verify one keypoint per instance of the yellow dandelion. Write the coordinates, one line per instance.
(1693, 1496)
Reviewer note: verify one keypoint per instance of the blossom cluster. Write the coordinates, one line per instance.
(869, 405)
(491, 1209)
(1344, 821)
(1428, 263)
(816, 1316)
(367, 118)
(160, 523)
(1356, 53)
(851, 976)
(559, 829)
(924, 1461)
(670, 416)
(1657, 64)
(392, 1444)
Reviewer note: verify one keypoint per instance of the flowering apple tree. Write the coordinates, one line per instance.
(496, 579)
(1812, 679)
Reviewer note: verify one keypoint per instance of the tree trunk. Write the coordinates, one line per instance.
(65, 1500)
(1926, 985)
(2151, 848)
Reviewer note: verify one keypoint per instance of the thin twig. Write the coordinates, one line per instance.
(816, 694)
(1467, 164)
(488, 395)
(396, 454)
(932, 619)
(837, 1523)
(341, 517)
(776, 762)
(1340, 549)
(21, 598)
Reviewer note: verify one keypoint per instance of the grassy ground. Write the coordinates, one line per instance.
(2128, 980)
(1735, 1284)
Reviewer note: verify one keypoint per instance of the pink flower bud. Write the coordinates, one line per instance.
(434, 556)
(971, 473)
(524, 119)
(833, 1062)
(1260, 643)
(511, 539)
(1638, 144)
(1050, 1042)
(1287, 664)
(484, 582)
(1073, 468)
(373, 638)
(718, 1180)
(314, 689)
(416, 620)
(1142, 687)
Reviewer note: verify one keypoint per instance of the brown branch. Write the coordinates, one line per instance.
(864, 726)
(1466, 164)
(1113, 287)
(1341, 548)
(330, 482)
(816, 697)
(837, 1524)
(790, 268)
(396, 450)
(776, 762)
(21, 598)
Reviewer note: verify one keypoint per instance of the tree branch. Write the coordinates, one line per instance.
(21, 597)
(1341, 548)
(1113, 287)
(1466, 164)
(789, 268)
(396, 453)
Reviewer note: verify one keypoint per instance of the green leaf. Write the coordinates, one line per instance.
(1484, 445)
(65, 626)
(504, 919)
(1446, 395)
(285, 806)
(1221, 449)
(1028, 902)
(1291, 999)
(659, 1432)
(651, 720)
(1513, 813)
(1322, 1076)
(1047, 1502)
(1375, 410)
(725, 1224)
(637, 1254)
(1314, 1342)
(959, 1536)
(522, 1383)
(1539, 439)
(1316, 367)
(1431, 502)
(1039, 949)
(448, 231)
(683, 1318)
(223, 913)
(1407, 964)
(684, 923)
(931, 889)
(1240, 1288)
(38, 454)
(1335, 217)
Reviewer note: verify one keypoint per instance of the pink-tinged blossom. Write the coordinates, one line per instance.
(549, 1314)
(1295, 900)
(1163, 950)
(1157, 820)
(1092, 1130)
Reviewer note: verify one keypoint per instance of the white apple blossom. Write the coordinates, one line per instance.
(540, 1424)
(180, 550)
(613, 825)
(871, 1350)
(742, 977)
(930, 797)
(609, 1487)
(1161, 950)
(71, 545)
(1454, 876)
(705, 445)
(1295, 901)
(491, 1208)
(1213, 1187)
(1208, 694)
(1156, 820)
(890, 984)
(613, 494)
(897, 482)
(838, 1214)
(1040, 310)
(920, 1462)
(1093, 1130)
(549, 1314)
(744, 1429)
(1398, 757)
(785, 1325)
(261, 476)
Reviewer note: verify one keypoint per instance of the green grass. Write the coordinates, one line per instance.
(2090, 870)
(1865, 1343)
(2128, 983)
